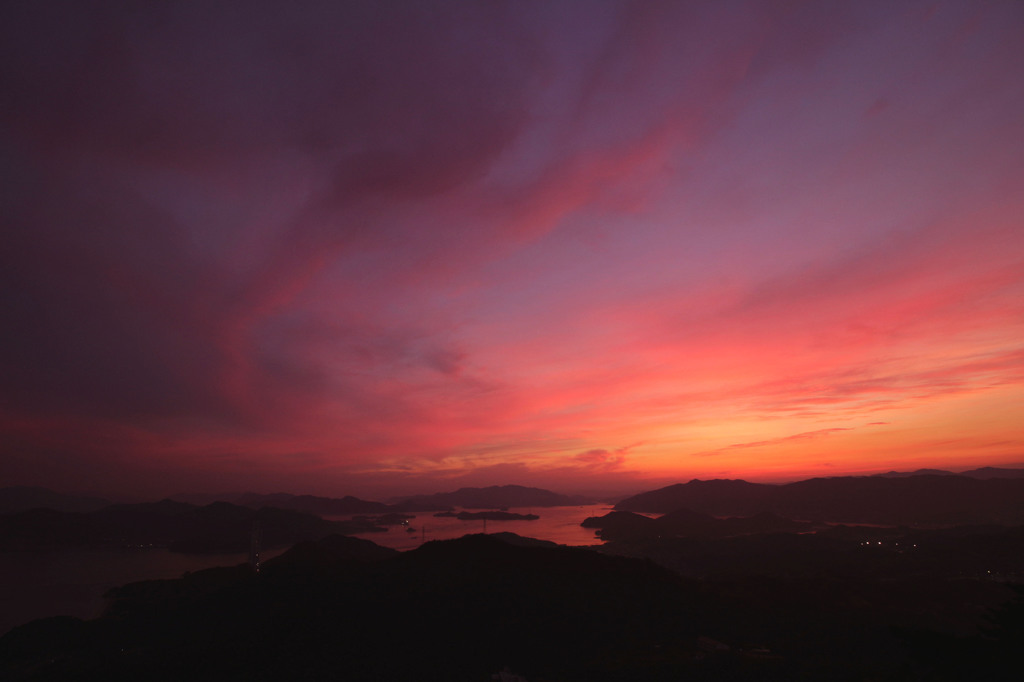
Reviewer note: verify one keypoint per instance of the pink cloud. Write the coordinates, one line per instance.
(497, 240)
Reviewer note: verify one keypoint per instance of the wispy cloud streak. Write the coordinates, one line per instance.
(337, 245)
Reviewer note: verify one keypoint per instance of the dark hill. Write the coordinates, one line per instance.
(931, 499)
(622, 524)
(217, 527)
(994, 472)
(495, 516)
(332, 555)
(683, 518)
(450, 610)
(718, 498)
(772, 607)
(763, 522)
(627, 526)
(311, 504)
(912, 500)
(520, 541)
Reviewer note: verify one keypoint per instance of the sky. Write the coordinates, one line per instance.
(378, 248)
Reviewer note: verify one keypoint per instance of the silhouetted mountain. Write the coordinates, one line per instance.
(331, 555)
(312, 504)
(682, 519)
(451, 610)
(919, 472)
(217, 527)
(202, 499)
(763, 522)
(23, 498)
(495, 516)
(916, 499)
(620, 525)
(983, 473)
(868, 499)
(321, 506)
(520, 541)
(389, 519)
(492, 497)
(720, 497)
(994, 472)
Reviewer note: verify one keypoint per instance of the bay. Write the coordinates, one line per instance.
(556, 524)
(72, 582)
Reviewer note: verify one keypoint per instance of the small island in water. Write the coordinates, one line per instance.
(495, 516)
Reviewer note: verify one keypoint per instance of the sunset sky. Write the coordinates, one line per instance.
(376, 248)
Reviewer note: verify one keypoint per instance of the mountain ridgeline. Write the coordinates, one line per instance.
(494, 496)
(180, 527)
(624, 525)
(894, 500)
(342, 608)
(725, 585)
(43, 519)
(491, 497)
(22, 498)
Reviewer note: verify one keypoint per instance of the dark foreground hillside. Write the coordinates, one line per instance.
(467, 609)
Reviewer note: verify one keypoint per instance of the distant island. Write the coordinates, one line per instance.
(624, 525)
(36, 518)
(495, 516)
(492, 497)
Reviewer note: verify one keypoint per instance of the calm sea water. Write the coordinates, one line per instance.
(72, 582)
(557, 524)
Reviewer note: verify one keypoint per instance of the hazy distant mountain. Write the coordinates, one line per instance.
(312, 504)
(23, 498)
(495, 516)
(919, 472)
(983, 473)
(994, 472)
(322, 506)
(490, 498)
(202, 499)
(940, 499)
